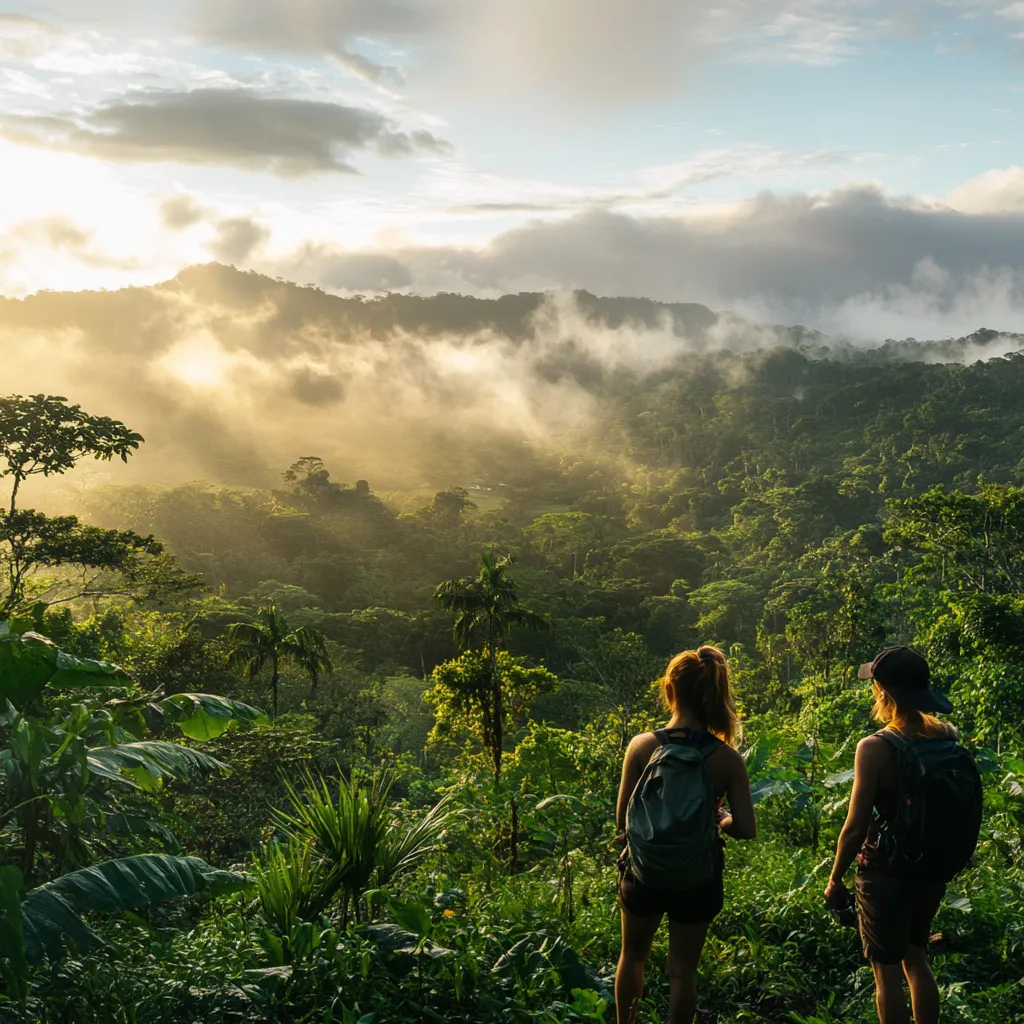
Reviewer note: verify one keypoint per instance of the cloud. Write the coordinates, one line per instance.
(585, 52)
(810, 259)
(181, 212)
(237, 239)
(315, 27)
(993, 192)
(465, 190)
(348, 272)
(234, 127)
(22, 39)
(57, 235)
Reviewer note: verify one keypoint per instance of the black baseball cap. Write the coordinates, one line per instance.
(904, 674)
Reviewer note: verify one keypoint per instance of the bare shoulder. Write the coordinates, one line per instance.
(872, 750)
(729, 760)
(641, 747)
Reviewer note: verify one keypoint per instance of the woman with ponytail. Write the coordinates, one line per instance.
(699, 745)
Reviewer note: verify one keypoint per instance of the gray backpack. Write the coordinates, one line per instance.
(671, 821)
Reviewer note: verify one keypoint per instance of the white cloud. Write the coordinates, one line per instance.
(995, 191)
(583, 52)
(455, 188)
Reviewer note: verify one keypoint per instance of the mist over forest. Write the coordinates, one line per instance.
(340, 613)
(231, 375)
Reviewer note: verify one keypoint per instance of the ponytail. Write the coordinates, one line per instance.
(698, 681)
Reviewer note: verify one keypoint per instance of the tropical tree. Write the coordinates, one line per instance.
(268, 642)
(43, 435)
(463, 693)
(485, 609)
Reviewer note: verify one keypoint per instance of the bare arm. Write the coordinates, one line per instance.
(858, 817)
(637, 756)
(740, 821)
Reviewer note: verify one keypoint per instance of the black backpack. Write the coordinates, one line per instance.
(935, 829)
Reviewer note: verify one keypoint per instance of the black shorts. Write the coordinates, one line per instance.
(895, 913)
(684, 906)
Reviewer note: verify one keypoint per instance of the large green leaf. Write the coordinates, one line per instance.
(411, 917)
(145, 764)
(30, 662)
(26, 665)
(72, 671)
(51, 925)
(203, 716)
(50, 913)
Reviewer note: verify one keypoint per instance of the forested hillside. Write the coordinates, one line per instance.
(390, 844)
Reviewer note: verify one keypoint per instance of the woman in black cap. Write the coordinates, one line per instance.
(895, 907)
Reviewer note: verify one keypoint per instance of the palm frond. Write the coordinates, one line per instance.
(51, 913)
(404, 848)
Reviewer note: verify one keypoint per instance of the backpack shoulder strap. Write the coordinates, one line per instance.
(705, 742)
(895, 739)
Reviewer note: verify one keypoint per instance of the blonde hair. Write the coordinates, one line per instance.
(699, 682)
(887, 711)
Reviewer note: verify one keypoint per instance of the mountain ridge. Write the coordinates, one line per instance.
(514, 314)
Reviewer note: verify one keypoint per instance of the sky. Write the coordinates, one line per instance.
(853, 165)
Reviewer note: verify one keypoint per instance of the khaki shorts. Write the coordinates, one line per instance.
(895, 913)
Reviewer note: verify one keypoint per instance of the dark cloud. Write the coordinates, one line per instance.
(237, 239)
(235, 127)
(180, 212)
(824, 260)
(353, 272)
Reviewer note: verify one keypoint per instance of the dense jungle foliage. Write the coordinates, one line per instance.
(320, 754)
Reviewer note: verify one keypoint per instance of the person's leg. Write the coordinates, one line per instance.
(924, 993)
(637, 939)
(889, 996)
(686, 941)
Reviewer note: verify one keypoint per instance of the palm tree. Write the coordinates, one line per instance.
(487, 608)
(268, 642)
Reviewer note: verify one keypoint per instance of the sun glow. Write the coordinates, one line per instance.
(199, 363)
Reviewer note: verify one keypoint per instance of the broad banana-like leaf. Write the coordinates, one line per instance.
(72, 671)
(146, 764)
(51, 913)
(203, 716)
(30, 662)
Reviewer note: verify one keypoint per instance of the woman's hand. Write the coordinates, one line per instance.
(837, 894)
